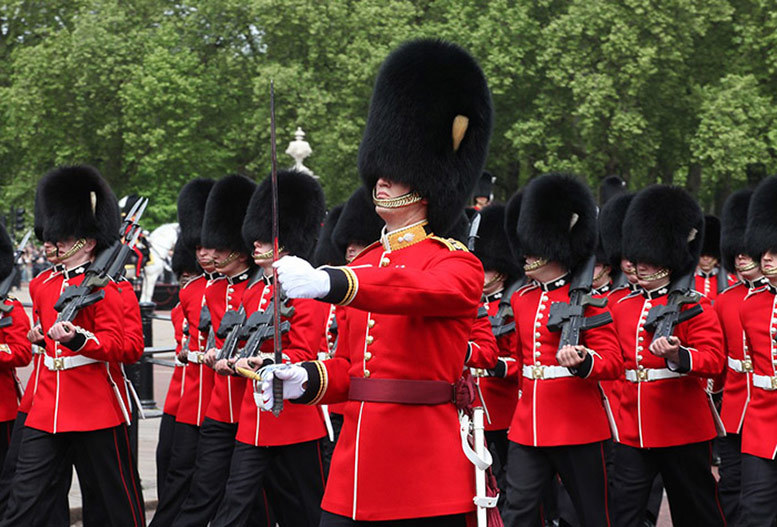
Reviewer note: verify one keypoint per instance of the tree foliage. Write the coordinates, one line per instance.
(155, 93)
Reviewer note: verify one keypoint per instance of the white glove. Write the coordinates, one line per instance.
(293, 377)
(300, 280)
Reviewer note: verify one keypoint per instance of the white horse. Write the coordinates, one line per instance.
(160, 245)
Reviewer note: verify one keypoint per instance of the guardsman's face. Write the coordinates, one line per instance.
(745, 266)
(707, 263)
(646, 273)
(385, 189)
(769, 266)
(352, 250)
(262, 252)
(205, 259)
(50, 250)
(601, 275)
(629, 270)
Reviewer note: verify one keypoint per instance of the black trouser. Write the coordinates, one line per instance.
(5, 439)
(497, 445)
(179, 474)
(164, 451)
(328, 447)
(758, 505)
(54, 511)
(582, 470)
(730, 484)
(100, 454)
(251, 464)
(688, 480)
(334, 520)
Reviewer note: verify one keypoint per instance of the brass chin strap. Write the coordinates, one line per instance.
(74, 249)
(769, 272)
(395, 203)
(52, 253)
(226, 261)
(267, 254)
(632, 272)
(658, 275)
(539, 262)
(599, 276)
(749, 267)
(497, 277)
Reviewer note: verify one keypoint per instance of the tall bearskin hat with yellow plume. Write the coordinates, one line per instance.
(558, 220)
(664, 226)
(428, 126)
(733, 224)
(301, 210)
(78, 203)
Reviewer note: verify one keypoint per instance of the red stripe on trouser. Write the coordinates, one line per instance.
(121, 474)
(717, 494)
(606, 497)
(132, 474)
(320, 462)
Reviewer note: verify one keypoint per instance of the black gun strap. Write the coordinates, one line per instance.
(602, 319)
(689, 313)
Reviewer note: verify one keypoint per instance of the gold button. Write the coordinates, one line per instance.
(370, 339)
(367, 355)
(366, 373)
(371, 323)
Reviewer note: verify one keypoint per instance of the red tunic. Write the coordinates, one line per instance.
(707, 283)
(409, 316)
(501, 395)
(37, 362)
(565, 410)
(738, 385)
(134, 343)
(198, 378)
(759, 320)
(336, 313)
(223, 295)
(15, 352)
(82, 398)
(176, 386)
(296, 423)
(666, 412)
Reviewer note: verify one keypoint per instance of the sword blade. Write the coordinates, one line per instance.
(277, 387)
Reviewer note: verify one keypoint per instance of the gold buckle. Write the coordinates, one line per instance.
(537, 372)
(59, 363)
(200, 358)
(774, 383)
(642, 375)
(747, 365)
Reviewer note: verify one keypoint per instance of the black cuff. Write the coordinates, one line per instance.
(683, 364)
(583, 369)
(76, 343)
(339, 285)
(469, 353)
(314, 384)
(500, 370)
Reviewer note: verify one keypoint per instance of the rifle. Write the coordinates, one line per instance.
(260, 328)
(229, 330)
(504, 311)
(204, 326)
(722, 279)
(7, 283)
(568, 317)
(97, 275)
(661, 320)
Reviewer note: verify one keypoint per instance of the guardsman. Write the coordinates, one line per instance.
(758, 505)
(708, 271)
(290, 443)
(221, 234)
(78, 407)
(15, 349)
(410, 299)
(666, 418)
(499, 387)
(611, 217)
(738, 385)
(560, 425)
(185, 268)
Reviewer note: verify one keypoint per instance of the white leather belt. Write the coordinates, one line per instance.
(545, 372)
(741, 366)
(67, 363)
(195, 357)
(38, 350)
(765, 382)
(652, 374)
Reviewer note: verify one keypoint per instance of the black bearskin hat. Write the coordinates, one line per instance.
(191, 210)
(459, 231)
(485, 186)
(733, 223)
(359, 222)
(512, 213)
(39, 215)
(301, 210)
(664, 226)
(422, 89)
(611, 228)
(326, 253)
(78, 203)
(225, 210)
(761, 235)
(711, 244)
(6, 254)
(610, 187)
(184, 260)
(558, 219)
(491, 245)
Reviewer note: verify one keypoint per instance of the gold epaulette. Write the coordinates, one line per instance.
(450, 243)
